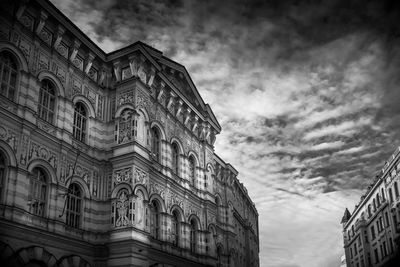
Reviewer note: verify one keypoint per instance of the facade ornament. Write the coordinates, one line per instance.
(103, 74)
(42, 20)
(172, 96)
(134, 65)
(180, 106)
(152, 75)
(117, 70)
(162, 86)
(89, 63)
(195, 123)
(123, 175)
(122, 210)
(59, 35)
(21, 9)
(187, 117)
(75, 49)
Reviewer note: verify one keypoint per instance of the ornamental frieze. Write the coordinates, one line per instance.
(123, 175)
(142, 100)
(125, 98)
(9, 137)
(158, 189)
(174, 199)
(141, 177)
(192, 210)
(38, 151)
(46, 127)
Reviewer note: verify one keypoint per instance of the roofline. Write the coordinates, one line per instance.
(384, 172)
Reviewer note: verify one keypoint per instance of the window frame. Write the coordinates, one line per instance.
(175, 158)
(74, 216)
(3, 174)
(156, 143)
(47, 101)
(80, 126)
(9, 61)
(38, 189)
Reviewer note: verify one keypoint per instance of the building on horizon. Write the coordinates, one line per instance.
(107, 159)
(371, 233)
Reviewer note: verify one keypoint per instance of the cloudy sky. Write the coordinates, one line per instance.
(307, 93)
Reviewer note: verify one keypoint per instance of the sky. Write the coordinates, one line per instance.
(307, 94)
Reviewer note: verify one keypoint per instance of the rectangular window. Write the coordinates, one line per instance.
(376, 255)
(384, 249)
(355, 249)
(372, 232)
(387, 219)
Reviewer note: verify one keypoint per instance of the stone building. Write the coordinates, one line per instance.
(108, 159)
(372, 232)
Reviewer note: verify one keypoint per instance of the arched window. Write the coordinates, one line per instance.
(80, 118)
(2, 174)
(74, 206)
(193, 235)
(219, 254)
(396, 190)
(192, 170)
(155, 219)
(37, 192)
(175, 228)
(218, 203)
(175, 158)
(47, 98)
(155, 145)
(8, 75)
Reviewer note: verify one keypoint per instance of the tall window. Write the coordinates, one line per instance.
(37, 192)
(155, 219)
(46, 101)
(390, 195)
(74, 206)
(175, 228)
(80, 118)
(155, 146)
(396, 190)
(8, 75)
(193, 235)
(175, 158)
(2, 174)
(192, 170)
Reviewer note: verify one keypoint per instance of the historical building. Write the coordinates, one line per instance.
(108, 159)
(372, 232)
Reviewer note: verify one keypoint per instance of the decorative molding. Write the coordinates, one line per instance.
(122, 175)
(39, 151)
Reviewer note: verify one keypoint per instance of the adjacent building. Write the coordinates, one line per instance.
(107, 159)
(372, 232)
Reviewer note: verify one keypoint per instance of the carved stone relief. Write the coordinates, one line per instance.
(158, 189)
(37, 150)
(26, 48)
(46, 36)
(141, 177)
(125, 98)
(123, 175)
(44, 62)
(9, 137)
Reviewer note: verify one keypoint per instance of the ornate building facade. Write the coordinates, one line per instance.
(108, 159)
(372, 232)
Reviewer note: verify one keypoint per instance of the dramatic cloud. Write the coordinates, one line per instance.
(307, 93)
